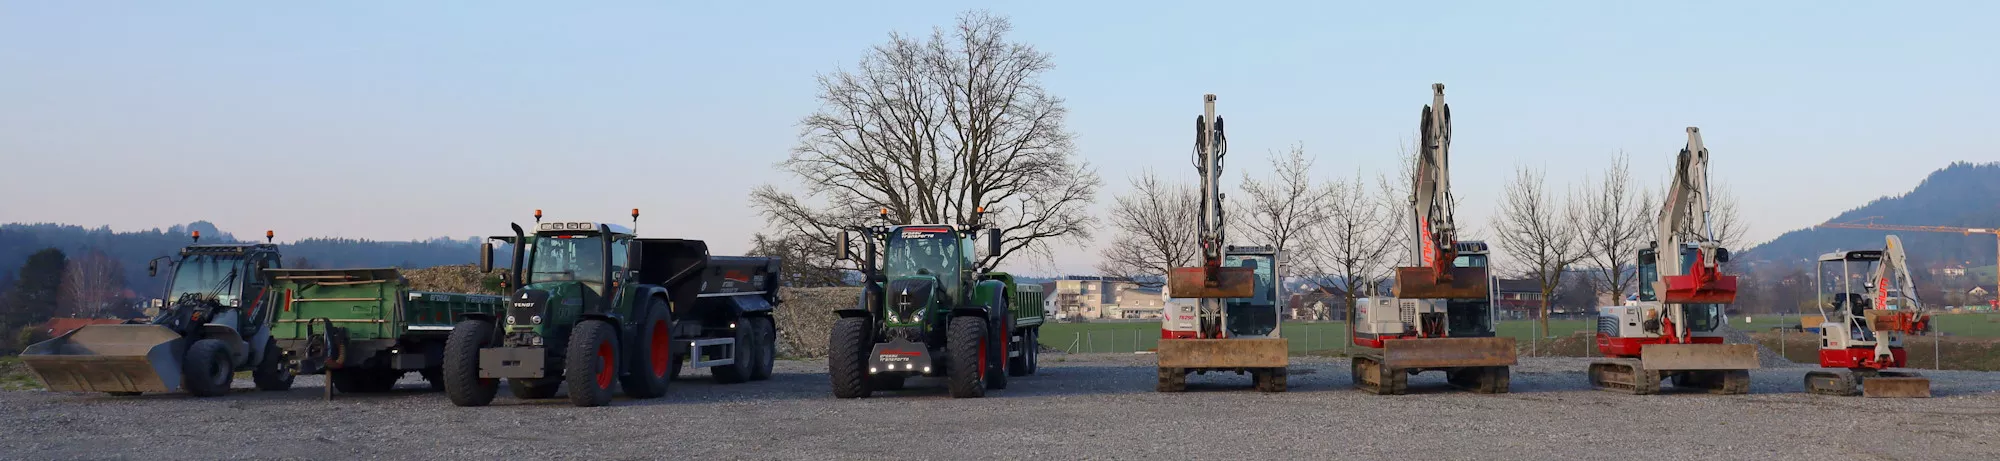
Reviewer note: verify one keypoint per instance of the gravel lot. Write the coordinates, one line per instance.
(1098, 407)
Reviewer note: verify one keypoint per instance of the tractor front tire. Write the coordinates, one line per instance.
(591, 366)
(651, 351)
(460, 374)
(206, 372)
(847, 357)
(271, 373)
(965, 346)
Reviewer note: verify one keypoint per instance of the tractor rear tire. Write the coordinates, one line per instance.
(591, 366)
(533, 388)
(847, 357)
(271, 373)
(965, 344)
(460, 374)
(767, 348)
(743, 352)
(206, 372)
(649, 354)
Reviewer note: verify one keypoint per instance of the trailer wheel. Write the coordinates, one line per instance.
(591, 368)
(652, 347)
(847, 357)
(271, 374)
(206, 371)
(462, 383)
(738, 370)
(767, 348)
(1033, 349)
(965, 342)
(1017, 365)
(533, 388)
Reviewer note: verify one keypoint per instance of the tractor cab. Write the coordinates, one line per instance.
(217, 283)
(563, 270)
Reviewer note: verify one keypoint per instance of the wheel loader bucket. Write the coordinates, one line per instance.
(1682, 357)
(1449, 352)
(109, 358)
(1689, 289)
(1896, 387)
(1231, 282)
(1421, 283)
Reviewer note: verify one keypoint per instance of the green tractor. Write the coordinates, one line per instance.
(928, 311)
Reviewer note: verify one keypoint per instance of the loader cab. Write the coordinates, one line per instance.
(1255, 316)
(1701, 317)
(231, 273)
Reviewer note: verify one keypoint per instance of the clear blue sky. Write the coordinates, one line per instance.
(399, 120)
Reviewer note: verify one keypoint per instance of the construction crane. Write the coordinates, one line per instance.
(1670, 333)
(1234, 327)
(1857, 224)
(1441, 317)
(1869, 302)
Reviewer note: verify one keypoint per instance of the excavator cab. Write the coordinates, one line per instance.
(1255, 315)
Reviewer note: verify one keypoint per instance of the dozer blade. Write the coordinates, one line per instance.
(1448, 352)
(1682, 357)
(1421, 283)
(1688, 289)
(1224, 353)
(1192, 282)
(109, 358)
(1905, 385)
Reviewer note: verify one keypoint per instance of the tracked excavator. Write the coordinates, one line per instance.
(1870, 302)
(1234, 326)
(1670, 333)
(1440, 317)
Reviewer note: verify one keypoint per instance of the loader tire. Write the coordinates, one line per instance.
(651, 349)
(965, 346)
(591, 368)
(767, 348)
(206, 372)
(533, 388)
(742, 353)
(271, 373)
(462, 383)
(847, 357)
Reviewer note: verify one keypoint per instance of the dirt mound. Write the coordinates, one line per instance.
(807, 316)
(464, 278)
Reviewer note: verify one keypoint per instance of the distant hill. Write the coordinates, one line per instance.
(1960, 195)
(133, 249)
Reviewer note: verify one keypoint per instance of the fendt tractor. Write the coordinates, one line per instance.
(1228, 331)
(596, 309)
(928, 310)
(364, 329)
(1671, 332)
(1869, 302)
(215, 321)
(1441, 315)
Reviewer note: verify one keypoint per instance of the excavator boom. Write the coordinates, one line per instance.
(1434, 276)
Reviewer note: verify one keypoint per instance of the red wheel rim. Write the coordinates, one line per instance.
(604, 365)
(662, 348)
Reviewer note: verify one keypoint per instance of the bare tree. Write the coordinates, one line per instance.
(1615, 216)
(1538, 233)
(1154, 230)
(1725, 218)
(1283, 210)
(805, 263)
(933, 131)
(1357, 243)
(93, 286)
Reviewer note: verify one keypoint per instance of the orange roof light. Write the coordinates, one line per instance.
(979, 210)
(268, 235)
(884, 212)
(635, 213)
(197, 234)
(538, 213)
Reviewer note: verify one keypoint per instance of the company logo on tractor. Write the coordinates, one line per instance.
(736, 276)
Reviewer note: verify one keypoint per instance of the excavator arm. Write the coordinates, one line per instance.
(1210, 280)
(1436, 237)
(1893, 273)
(1683, 226)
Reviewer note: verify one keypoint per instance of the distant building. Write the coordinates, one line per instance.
(1517, 298)
(1098, 298)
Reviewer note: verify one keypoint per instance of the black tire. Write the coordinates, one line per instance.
(649, 353)
(460, 374)
(674, 366)
(744, 352)
(434, 377)
(591, 366)
(847, 357)
(965, 341)
(996, 353)
(767, 348)
(206, 371)
(271, 373)
(1034, 350)
(1017, 366)
(533, 388)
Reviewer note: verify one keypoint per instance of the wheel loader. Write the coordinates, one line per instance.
(214, 321)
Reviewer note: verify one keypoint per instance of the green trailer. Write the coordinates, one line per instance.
(364, 328)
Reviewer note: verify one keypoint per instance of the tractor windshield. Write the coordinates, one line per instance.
(568, 258)
(932, 251)
(219, 274)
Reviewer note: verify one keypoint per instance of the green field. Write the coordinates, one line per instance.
(14, 376)
(1126, 337)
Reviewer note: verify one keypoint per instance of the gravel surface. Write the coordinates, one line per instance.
(1765, 356)
(1096, 406)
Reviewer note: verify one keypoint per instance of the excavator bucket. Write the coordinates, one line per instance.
(1684, 357)
(109, 358)
(1689, 289)
(1193, 282)
(1448, 352)
(1896, 385)
(1421, 283)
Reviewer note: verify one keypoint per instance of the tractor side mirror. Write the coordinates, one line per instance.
(635, 255)
(486, 257)
(993, 241)
(840, 247)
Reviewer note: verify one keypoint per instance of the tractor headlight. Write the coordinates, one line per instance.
(535, 320)
(511, 321)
